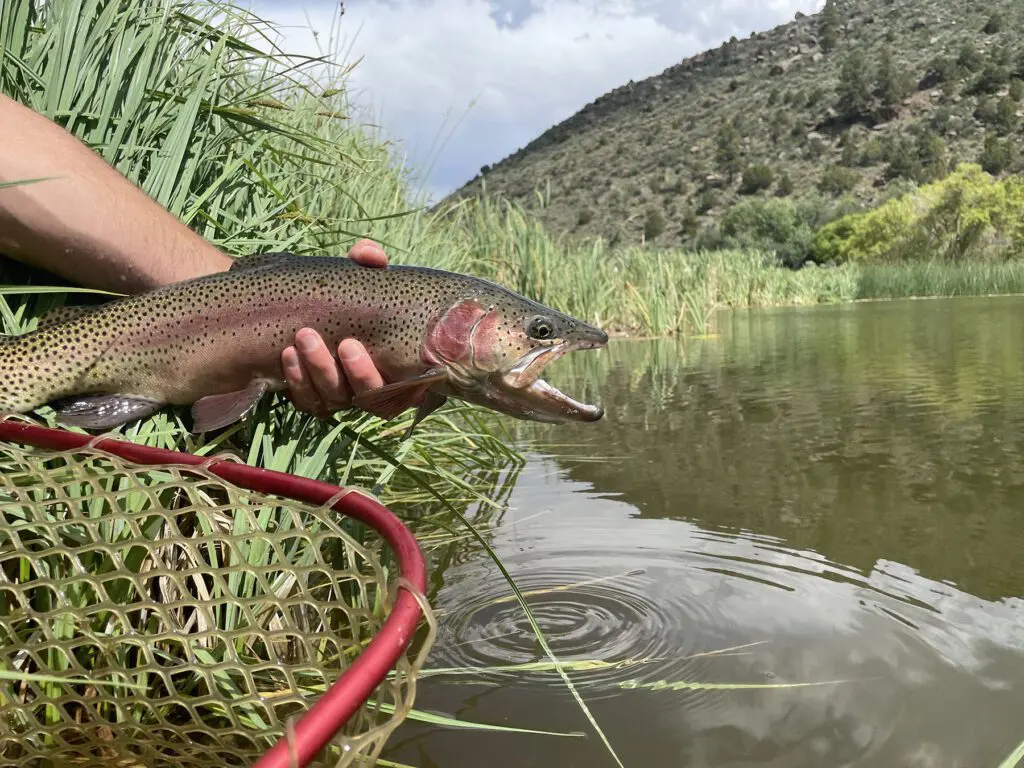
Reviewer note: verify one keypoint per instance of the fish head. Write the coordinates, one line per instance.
(495, 345)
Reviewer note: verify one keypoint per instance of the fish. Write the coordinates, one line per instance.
(214, 343)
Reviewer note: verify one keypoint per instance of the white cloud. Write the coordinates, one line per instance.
(487, 77)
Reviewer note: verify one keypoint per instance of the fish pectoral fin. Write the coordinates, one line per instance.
(391, 399)
(431, 404)
(104, 411)
(216, 411)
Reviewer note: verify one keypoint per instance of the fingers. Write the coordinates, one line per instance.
(360, 371)
(368, 253)
(300, 389)
(315, 383)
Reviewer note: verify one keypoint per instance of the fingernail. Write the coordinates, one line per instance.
(348, 351)
(306, 342)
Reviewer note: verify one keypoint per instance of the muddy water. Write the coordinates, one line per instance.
(826, 503)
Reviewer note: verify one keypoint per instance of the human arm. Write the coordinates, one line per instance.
(87, 222)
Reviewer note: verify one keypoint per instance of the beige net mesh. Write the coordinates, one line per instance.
(159, 616)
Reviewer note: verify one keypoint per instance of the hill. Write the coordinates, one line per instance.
(848, 103)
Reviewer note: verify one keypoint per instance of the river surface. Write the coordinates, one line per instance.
(829, 501)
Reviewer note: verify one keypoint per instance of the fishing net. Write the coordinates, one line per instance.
(161, 616)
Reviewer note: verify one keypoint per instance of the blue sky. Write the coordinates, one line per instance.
(463, 83)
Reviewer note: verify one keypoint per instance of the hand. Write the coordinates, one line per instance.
(317, 384)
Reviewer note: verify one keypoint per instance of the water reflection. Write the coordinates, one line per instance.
(837, 490)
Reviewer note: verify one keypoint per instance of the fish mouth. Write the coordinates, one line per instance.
(519, 391)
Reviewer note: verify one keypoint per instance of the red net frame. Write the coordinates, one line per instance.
(330, 713)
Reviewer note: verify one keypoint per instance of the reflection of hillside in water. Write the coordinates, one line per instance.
(867, 433)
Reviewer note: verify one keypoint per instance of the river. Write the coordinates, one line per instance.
(828, 501)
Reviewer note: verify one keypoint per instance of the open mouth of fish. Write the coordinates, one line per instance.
(521, 392)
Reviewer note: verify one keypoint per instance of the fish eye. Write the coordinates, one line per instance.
(540, 328)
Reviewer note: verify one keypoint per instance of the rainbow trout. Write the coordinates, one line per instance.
(215, 343)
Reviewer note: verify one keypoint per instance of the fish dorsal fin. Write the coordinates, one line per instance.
(59, 315)
(264, 259)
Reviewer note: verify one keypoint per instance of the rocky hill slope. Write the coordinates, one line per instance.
(847, 102)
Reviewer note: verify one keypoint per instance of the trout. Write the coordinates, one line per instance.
(215, 343)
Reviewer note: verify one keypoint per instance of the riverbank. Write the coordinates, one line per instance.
(643, 291)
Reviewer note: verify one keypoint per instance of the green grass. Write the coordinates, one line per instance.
(898, 281)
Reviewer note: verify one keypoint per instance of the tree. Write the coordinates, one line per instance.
(690, 224)
(756, 178)
(997, 155)
(1006, 116)
(854, 87)
(836, 180)
(932, 156)
(828, 26)
(728, 153)
(654, 224)
(994, 24)
(992, 78)
(969, 60)
(891, 84)
(904, 161)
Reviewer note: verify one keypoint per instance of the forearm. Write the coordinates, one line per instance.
(88, 223)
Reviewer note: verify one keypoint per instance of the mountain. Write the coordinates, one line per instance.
(864, 95)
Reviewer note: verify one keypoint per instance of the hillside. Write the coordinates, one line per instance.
(847, 103)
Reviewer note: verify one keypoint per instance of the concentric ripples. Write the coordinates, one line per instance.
(634, 627)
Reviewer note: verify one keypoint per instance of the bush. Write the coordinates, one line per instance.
(994, 24)
(785, 226)
(969, 60)
(836, 180)
(992, 78)
(997, 155)
(1006, 115)
(969, 213)
(654, 225)
(755, 179)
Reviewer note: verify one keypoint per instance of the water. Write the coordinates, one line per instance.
(836, 494)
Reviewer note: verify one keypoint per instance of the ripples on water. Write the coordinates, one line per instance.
(829, 497)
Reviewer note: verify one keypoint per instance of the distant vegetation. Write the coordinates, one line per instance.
(841, 110)
(967, 216)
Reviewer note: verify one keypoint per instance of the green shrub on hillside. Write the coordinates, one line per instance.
(967, 214)
(784, 226)
(756, 178)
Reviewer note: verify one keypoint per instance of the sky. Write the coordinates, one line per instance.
(459, 84)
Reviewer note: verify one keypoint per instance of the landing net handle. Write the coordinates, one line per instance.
(352, 689)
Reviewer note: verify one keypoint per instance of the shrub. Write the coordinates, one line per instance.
(969, 213)
(785, 226)
(654, 225)
(997, 155)
(836, 180)
(755, 179)
(994, 24)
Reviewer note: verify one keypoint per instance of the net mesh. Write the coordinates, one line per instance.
(159, 616)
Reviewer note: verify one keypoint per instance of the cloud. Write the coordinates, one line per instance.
(463, 83)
